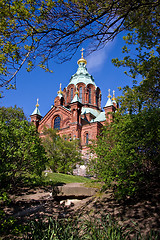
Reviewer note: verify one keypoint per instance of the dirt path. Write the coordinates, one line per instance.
(145, 212)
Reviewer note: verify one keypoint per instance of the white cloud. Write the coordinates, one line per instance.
(97, 59)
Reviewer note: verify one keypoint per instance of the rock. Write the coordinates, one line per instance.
(69, 202)
(73, 189)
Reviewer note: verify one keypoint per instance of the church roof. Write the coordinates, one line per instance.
(94, 112)
(36, 111)
(75, 99)
(100, 118)
(109, 103)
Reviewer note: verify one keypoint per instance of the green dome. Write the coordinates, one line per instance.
(82, 75)
(36, 111)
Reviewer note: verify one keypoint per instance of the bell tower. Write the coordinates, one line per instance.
(76, 107)
(110, 107)
(59, 99)
(36, 116)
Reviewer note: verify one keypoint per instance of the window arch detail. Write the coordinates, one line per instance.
(71, 94)
(90, 94)
(97, 98)
(80, 94)
(57, 122)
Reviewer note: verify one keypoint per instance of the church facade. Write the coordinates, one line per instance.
(77, 111)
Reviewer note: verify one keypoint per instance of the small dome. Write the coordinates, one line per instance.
(82, 60)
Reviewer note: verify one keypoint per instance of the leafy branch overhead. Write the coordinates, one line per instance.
(37, 31)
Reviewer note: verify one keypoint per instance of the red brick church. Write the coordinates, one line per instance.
(77, 111)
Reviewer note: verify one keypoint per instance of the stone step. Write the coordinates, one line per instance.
(73, 190)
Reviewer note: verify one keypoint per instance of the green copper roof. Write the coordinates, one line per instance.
(75, 99)
(94, 112)
(36, 111)
(109, 103)
(82, 75)
(100, 118)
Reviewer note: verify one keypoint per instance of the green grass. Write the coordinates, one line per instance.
(65, 178)
(83, 229)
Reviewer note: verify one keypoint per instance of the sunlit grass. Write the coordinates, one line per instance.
(66, 178)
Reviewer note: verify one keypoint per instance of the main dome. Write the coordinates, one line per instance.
(82, 75)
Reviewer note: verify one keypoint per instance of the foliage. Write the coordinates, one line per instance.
(128, 152)
(142, 61)
(10, 226)
(65, 229)
(63, 155)
(21, 151)
(73, 229)
(81, 229)
(37, 31)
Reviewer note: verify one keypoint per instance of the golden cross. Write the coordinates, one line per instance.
(82, 52)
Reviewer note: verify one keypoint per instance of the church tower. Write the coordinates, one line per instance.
(89, 94)
(36, 116)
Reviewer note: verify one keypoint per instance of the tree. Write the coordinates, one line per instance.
(142, 60)
(37, 31)
(63, 155)
(21, 152)
(128, 152)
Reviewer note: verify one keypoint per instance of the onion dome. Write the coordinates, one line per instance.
(36, 110)
(82, 60)
(82, 75)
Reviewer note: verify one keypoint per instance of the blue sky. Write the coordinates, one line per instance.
(44, 85)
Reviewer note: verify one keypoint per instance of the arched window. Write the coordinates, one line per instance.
(87, 139)
(71, 94)
(80, 94)
(97, 97)
(66, 98)
(57, 121)
(89, 95)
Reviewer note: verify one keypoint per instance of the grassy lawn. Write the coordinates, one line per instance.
(65, 178)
